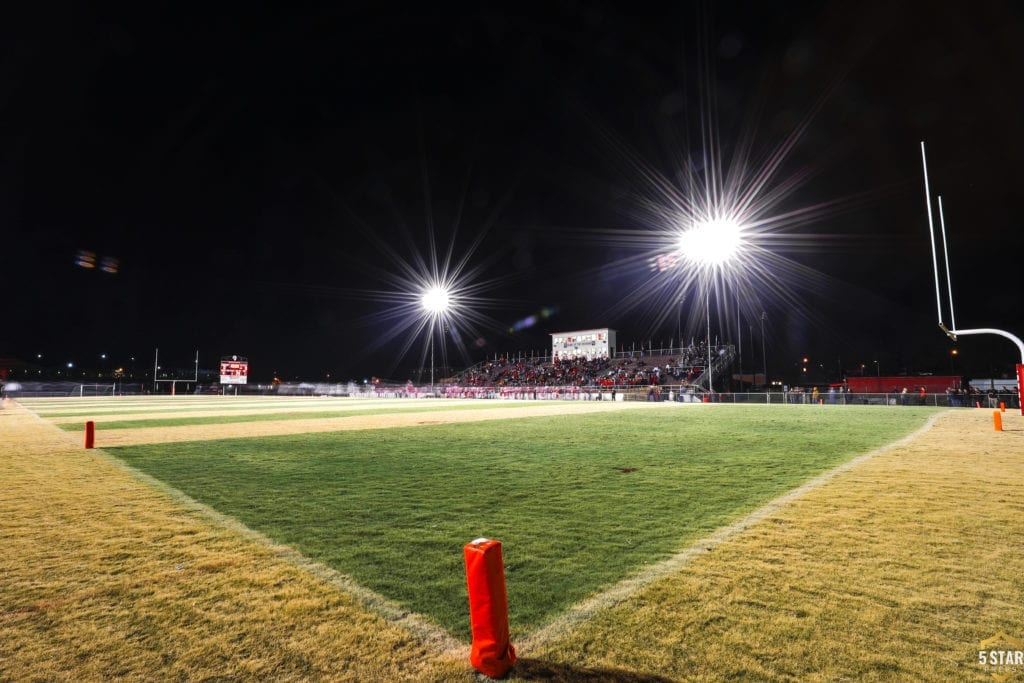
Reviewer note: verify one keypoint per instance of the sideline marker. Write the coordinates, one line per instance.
(997, 419)
(492, 654)
(1002, 406)
(90, 434)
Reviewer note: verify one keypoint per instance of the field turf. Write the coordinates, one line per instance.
(579, 502)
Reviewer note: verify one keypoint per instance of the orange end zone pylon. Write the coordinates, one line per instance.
(492, 654)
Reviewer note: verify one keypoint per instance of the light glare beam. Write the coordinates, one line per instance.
(436, 300)
(711, 243)
(737, 219)
(427, 294)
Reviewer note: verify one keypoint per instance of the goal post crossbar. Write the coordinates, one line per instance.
(95, 389)
(954, 333)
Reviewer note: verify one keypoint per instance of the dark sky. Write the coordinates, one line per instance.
(257, 173)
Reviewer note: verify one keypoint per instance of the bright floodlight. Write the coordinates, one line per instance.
(436, 300)
(711, 242)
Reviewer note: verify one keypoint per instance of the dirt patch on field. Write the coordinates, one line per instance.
(234, 430)
(230, 408)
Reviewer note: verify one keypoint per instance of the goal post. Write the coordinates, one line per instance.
(173, 376)
(954, 332)
(84, 390)
(174, 384)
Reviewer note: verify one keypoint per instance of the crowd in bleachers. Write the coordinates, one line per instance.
(991, 398)
(628, 370)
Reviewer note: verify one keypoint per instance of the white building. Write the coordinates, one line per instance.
(583, 343)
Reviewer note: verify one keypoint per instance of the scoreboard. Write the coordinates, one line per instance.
(234, 370)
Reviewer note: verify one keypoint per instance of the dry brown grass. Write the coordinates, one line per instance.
(895, 570)
(105, 578)
(113, 409)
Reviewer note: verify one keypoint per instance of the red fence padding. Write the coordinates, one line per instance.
(1020, 387)
(492, 654)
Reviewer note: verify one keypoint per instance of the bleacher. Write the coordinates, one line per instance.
(683, 367)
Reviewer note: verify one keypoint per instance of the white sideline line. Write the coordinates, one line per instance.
(583, 611)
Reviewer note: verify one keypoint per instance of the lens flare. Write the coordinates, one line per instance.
(433, 294)
(436, 300)
(716, 219)
(711, 243)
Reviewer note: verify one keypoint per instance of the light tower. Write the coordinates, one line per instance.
(710, 246)
(436, 300)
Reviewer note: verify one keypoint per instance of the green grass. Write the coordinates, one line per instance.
(278, 417)
(393, 507)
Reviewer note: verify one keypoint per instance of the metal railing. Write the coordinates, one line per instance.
(670, 392)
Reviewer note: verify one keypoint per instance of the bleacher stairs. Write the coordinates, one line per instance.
(719, 367)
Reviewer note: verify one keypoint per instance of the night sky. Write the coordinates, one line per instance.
(256, 177)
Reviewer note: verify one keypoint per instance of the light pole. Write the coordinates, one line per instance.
(764, 353)
(739, 338)
(435, 301)
(707, 313)
(710, 245)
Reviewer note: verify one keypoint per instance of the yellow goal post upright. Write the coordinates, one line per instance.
(953, 332)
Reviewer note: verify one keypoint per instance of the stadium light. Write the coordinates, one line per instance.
(435, 301)
(710, 245)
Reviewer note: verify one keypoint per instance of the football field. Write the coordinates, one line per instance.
(306, 538)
